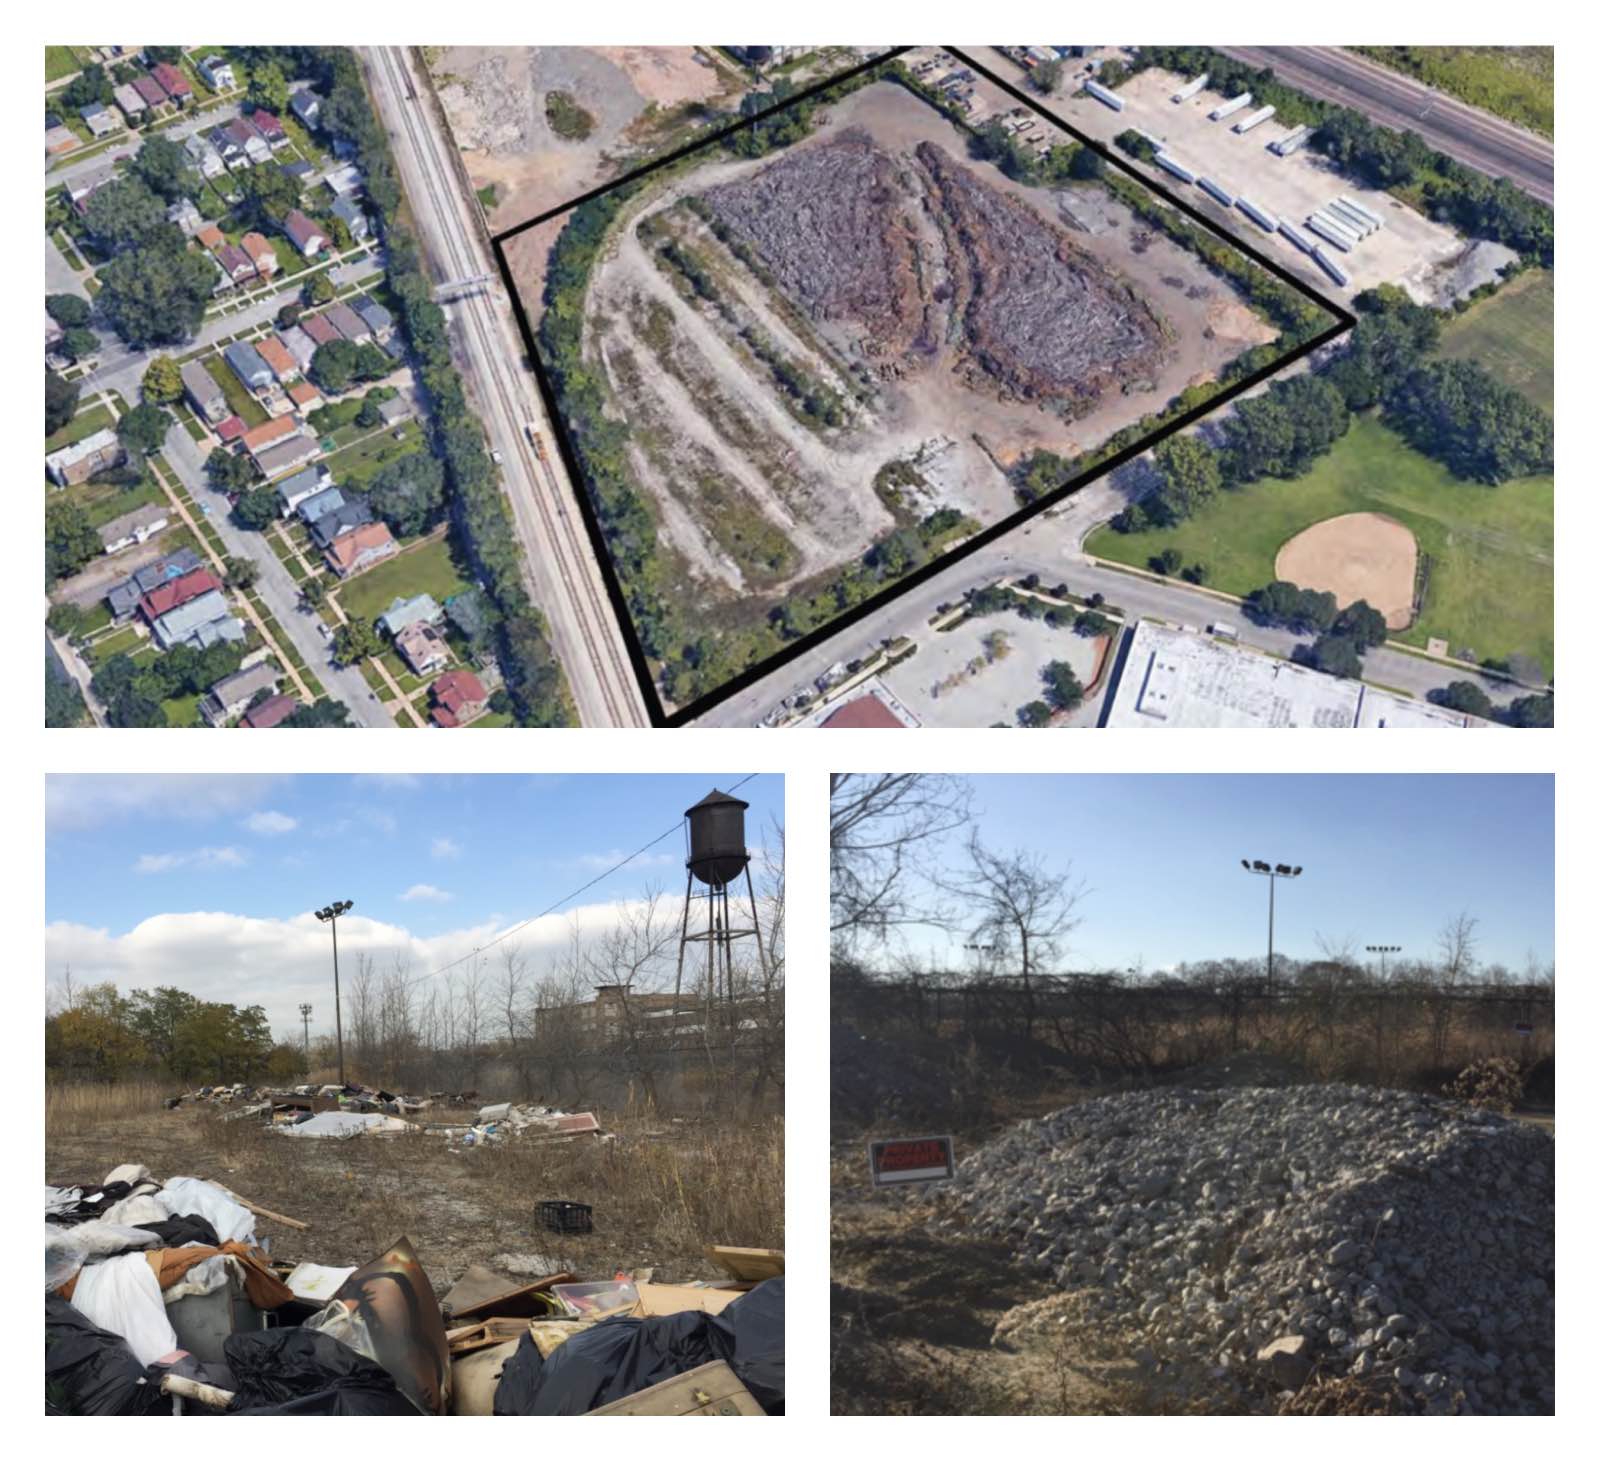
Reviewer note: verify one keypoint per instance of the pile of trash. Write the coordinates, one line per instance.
(159, 1298)
(1272, 1236)
(348, 1110)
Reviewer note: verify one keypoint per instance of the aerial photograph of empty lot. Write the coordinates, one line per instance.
(798, 365)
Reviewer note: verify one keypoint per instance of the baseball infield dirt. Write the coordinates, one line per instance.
(1362, 555)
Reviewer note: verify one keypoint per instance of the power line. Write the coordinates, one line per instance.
(567, 898)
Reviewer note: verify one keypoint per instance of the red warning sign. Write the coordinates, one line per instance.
(912, 1159)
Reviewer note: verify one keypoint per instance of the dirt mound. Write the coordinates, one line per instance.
(1042, 317)
(1361, 555)
(1268, 1239)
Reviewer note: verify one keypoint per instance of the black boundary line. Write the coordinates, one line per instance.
(1345, 321)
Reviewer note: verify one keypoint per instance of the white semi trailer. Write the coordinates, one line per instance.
(1232, 105)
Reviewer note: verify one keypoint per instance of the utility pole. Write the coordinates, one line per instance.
(1383, 951)
(331, 916)
(305, 1030)
(1272, 872)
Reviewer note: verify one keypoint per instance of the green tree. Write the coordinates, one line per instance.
(157, 295)
(1335, 654)
(1086, 164)
(408, 493)
(323, 714)
(1529, 711)
(1061, 686)
(1034, 715)
(143, 429)
(70, 539)
(64, 619)
(125, 214)
(60, 401)
(162, 382)
(319, 289)
(1092, 624)
(68, 310)
(165, 169)
(1191, 474)
(242, 573)
(356, 641)
(80, 344)
(333, 367)
(269, 194)
(1045, 76)
(1468, 698)
(268, 88)
(227, 472)
(63, 701)
(257, 509)
(1363, 625)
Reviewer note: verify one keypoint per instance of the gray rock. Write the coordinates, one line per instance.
(1287, 1360)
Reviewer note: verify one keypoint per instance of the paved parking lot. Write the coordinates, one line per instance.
(1405, 250)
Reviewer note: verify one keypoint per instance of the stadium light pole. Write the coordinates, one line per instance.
(331, 916)
(1383, 951)
(1271, 872)
(305, 1032)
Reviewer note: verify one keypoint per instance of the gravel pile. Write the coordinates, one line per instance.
(1273, 1235)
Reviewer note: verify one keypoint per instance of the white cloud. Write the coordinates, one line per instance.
(270, 824)
(425, 893)
(74, 802)
(600, 861)
(446, 849)
(195, 857)
(278, 962)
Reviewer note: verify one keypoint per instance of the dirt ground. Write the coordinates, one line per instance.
(1361, 555)
(660, 1191)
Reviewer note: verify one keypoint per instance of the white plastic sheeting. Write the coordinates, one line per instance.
(184, 1196)
(122, 1295)
(346, 1123)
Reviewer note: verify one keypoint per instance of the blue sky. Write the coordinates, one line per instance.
(208, 881)
(1387, 859)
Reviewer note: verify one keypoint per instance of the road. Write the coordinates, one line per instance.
(276, 587)
(565, 578)
(1464, 132)
(1050, 548)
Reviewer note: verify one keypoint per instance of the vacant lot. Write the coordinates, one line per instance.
(815, 347)
(1512, 334)
(1490, 549)
(424, 570)
(659, 1191)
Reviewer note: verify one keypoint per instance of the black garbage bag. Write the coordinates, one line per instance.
(302, 1372)
(90, 1371)
(619, 1357)
(751, 1329)
(176, 1231)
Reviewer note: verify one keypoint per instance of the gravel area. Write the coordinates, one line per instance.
(1269, 1239)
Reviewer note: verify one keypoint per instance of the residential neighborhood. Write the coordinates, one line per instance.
(246, 510)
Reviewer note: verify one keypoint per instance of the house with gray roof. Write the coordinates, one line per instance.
(347, 322)
(377, 318)
(98, 118)
(305, 484)
(284, 456)
(330, 499)
(298, 344)
(203, 392)
(138, 526)
(354, 513)
(232, 694)
(306, 105)
(245, 361)
(403, 613)
(353, 216)
(201, 622)
(124, 597)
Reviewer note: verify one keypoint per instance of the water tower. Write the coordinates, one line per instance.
(717, 859)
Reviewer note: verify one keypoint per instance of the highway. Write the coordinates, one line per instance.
(565, 579)
(1474, 137)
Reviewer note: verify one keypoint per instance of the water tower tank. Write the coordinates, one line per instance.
(716, 839)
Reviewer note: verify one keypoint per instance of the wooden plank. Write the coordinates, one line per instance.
(711, 1389)
(750, 1265)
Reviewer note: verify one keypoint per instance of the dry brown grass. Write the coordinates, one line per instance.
(91, 1103)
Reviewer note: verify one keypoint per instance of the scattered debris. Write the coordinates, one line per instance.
(158, 1298)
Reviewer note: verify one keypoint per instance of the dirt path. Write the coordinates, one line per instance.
(1359, 555)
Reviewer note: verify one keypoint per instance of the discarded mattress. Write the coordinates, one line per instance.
(347, 1124)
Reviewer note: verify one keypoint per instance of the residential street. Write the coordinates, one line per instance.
(103, 161)
(276, 587)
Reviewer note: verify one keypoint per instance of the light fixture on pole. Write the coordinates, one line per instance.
(305, 1030)
(1383, 951)
(331, 916)
(1272, 872)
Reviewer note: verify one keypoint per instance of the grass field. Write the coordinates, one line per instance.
(360, 463)
(1512, 334)
(59, 61)
(1514, 82)
(1490, 547)
(426, 570)
(240, 401)
(85, 423)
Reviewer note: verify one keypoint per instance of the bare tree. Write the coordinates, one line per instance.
(1458, 957)
(1025, 911)
(882, 827)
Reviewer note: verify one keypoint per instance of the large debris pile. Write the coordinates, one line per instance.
(830, 223)
(160, 1298)
(1043, 317)
(1277, 1235)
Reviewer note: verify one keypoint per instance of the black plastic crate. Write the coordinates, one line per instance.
(565, 1217)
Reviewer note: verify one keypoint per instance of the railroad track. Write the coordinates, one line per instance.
(590, 610)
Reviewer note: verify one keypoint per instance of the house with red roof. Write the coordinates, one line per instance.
(173, 82)
(270, 712)
(350, 553)
(304, 234)
(458, 696)
(172, 595)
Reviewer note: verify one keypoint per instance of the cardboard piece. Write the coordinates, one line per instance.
(476, 1376)
(550, 1334)
(748, 1265)
(656, 1299)
(480, 1292)
(711, 1389)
